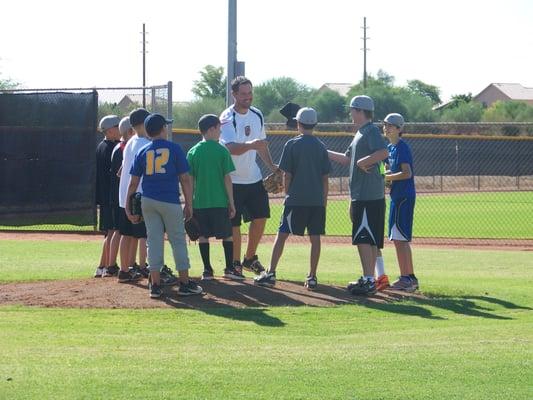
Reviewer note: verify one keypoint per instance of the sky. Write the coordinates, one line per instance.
(459, 46)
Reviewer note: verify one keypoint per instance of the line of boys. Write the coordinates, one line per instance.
(305, 163)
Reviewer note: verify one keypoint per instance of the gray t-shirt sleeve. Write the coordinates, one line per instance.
(376, 141)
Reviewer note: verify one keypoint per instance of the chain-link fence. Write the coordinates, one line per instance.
(48, 141)
(471, 189)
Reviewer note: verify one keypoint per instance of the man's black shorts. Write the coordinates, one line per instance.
(368, 222)
(214, 222)
(296, 219)
(251, 202)
(126, 228)
(106, 219)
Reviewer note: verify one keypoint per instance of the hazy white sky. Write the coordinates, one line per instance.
(460, 46)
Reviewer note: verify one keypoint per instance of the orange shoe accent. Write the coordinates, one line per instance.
(382, 282)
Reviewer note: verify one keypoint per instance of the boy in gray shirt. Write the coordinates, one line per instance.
(367, 190)
(306, 168)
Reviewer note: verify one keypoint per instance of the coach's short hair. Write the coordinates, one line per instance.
(238, 81)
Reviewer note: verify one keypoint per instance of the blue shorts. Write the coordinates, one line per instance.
(401, 218)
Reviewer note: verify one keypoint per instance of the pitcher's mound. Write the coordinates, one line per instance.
(108, 293)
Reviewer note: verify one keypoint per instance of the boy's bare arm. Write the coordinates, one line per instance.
(369, 161)
(186, 186)
(229, 191)
(405, 173)
(339, 157)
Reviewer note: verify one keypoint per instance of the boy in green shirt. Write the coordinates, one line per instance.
(213, 207)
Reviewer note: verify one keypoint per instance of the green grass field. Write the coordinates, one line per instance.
(492, 215)
(471, 338)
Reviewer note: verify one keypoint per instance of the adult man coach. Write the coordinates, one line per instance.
(243, 133)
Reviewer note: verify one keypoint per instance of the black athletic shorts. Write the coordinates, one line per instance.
(368, 222)
(106, 219)
(126, 228)
(296, 219)
(115, 215)
(214, 222)
(251, 202)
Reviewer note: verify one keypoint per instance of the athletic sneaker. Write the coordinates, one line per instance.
(311, 282)
(237, 266)
(167, 277)
(129, 276)
(253, 265)
(99, 272)
(144, 271)
(233, 273)
(405, 283)
(190, 288)
(415, 283)
(382, 282)
(155, 291)
(111, 271)
(362, 287)
(266, 279)
(208, 274)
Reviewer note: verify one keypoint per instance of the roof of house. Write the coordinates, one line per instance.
(340, 88)
(514, 91)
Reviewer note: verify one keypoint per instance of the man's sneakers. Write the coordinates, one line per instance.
(362, 287)
(189, 289)
(405, 283)
(382, 282)
(233, 273)
(99, 272)
(208, 274)
(155, 291)
(253, 265)
(128, 276)
(267, 279)
(167, 277)
(311, 282)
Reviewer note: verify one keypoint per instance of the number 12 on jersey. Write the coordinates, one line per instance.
(156, 161)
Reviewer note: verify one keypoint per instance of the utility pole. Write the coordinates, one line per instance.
(232, 47)
(365, 49)
(144, 66)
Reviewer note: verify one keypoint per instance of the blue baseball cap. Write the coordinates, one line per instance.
(155, 122)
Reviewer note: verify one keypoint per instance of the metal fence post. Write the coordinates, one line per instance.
(169, 103)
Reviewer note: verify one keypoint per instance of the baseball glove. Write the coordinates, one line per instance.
(192, 227)
(135, 204)
(273, 183)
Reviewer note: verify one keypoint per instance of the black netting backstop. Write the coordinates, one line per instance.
(47, 158)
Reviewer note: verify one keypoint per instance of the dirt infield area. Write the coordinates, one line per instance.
(108, 293)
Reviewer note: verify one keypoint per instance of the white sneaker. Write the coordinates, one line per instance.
(99, 272)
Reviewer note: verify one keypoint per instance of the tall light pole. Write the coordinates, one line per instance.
(365, 49)
(144, 66)
(232, 48)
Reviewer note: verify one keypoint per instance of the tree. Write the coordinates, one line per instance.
(329, 106)
(212, 83)
(463, 111)
(509, 111)
(424, 89)
(274, 93)
(7, 83)
(186, 115)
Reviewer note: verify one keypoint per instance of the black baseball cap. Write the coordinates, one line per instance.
(155, 122)
(207, 121)
(138, 116)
